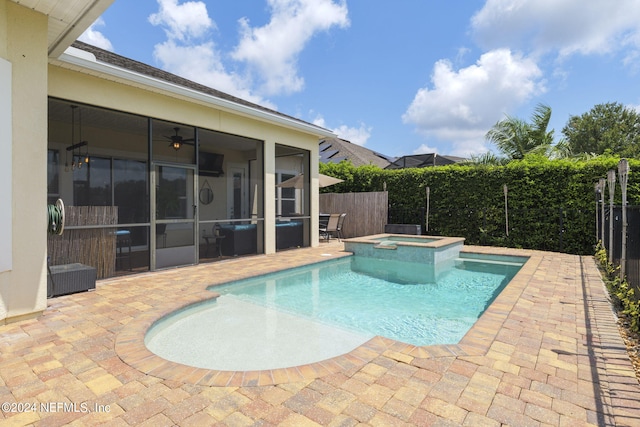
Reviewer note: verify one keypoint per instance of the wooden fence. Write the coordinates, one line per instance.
(366, 212)
(95, 247)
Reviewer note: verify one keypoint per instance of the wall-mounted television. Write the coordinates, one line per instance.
(210, 164)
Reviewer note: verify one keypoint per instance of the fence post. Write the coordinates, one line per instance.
(427, 214)
(561, 213)
(506, 210)
(484, 225)
(623, 171)
(611, 179)
(601, 181)
(596, 189)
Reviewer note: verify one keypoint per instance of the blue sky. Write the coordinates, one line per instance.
(399, 77)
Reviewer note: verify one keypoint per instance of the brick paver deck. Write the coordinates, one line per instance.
(547, 352)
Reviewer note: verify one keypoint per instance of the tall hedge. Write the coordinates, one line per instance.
(551, 203)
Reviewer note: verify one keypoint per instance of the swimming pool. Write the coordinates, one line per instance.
(394, 299)
(312, 313)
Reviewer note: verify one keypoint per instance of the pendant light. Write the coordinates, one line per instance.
(81, 157)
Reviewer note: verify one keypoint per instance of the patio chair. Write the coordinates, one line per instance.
(161, 232)
(340, 224)
(331, 227)
(213, 239)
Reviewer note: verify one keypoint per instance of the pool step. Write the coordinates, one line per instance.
(386, 244)
(490, 261)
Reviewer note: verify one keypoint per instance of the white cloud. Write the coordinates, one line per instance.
(94, 37)
(357, 135)
(190, 53)
(273, 50)
(183, 21)
(563, 26)
(320, 121)
(462, 105)
(201, 63)
(425, 149)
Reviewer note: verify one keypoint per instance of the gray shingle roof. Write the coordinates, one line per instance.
(334, 150)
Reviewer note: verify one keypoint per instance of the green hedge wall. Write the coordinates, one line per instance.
(551, 203)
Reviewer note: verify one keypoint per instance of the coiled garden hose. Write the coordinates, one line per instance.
(56, 218)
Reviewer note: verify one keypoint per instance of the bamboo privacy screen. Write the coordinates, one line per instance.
(366, 212)
(95, 247)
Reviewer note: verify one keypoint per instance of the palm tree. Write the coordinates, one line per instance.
(485, 159)
(514, 137)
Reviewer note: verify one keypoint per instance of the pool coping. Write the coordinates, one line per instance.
(436, 242)
(130, 347)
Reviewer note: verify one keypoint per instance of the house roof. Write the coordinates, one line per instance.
(84, 57)
(67, 19)
(334, 150)
(423, 160)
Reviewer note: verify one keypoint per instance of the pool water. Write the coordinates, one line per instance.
(394, 299)
(314, 313)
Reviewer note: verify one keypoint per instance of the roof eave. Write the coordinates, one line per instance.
(86, 15)
(86, 60)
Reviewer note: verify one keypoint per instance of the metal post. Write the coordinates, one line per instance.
(602, 184)
(561, 220)
(506, 210)
(484, 225)
(596, 190)
(623, 172)
(611, 179)
(428, 197)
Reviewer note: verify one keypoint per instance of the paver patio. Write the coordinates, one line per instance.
(547, 352)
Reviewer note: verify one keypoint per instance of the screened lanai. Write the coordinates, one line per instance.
(144, 194)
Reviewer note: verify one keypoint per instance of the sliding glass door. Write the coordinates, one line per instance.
(175, 207)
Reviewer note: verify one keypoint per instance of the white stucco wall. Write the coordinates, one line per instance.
(23, 44)
(6, 257)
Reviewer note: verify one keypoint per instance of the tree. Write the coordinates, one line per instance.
(515, 137)
(606, 127)
(485, 159)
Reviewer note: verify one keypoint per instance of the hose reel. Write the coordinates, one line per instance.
(56, 218)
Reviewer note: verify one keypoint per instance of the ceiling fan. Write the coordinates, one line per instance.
(177, 140)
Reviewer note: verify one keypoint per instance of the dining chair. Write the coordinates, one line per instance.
(331, 227)
(340, 224)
